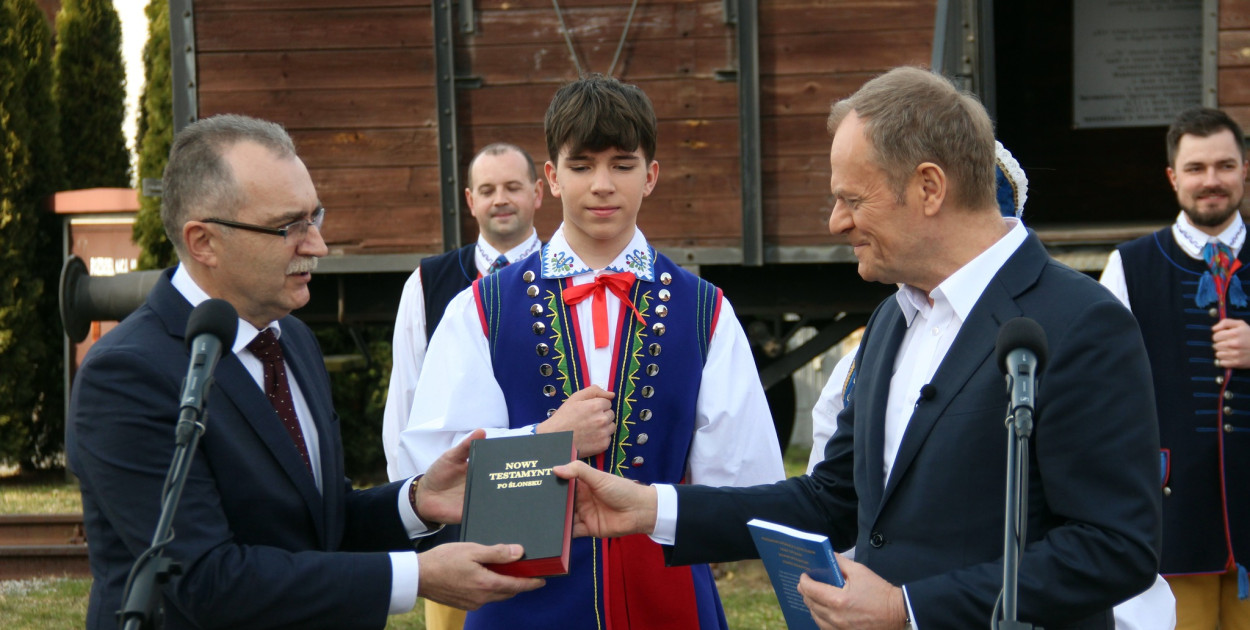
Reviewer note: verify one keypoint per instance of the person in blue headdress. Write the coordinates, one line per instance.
(1183, 284)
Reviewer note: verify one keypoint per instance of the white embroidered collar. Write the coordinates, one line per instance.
(486, 253)
(1192, 240)
(559, 260)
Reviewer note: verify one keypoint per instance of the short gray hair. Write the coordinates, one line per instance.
(912, 116)
(198, 183)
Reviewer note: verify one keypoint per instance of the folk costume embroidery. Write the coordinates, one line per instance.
(659, 345)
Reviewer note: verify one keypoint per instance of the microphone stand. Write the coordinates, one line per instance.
(141, 604)
(1019, 428)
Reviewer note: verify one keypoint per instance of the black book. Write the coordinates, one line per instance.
(512, 496)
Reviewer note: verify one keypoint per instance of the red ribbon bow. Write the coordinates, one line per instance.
(619, 284)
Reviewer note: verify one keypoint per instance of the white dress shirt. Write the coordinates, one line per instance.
(409, 344)
(405, 572)
(932, 328)
(734, 441)
(1190, 239)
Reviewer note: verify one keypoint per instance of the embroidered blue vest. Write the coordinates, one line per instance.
(538, 362)
(1204, 434)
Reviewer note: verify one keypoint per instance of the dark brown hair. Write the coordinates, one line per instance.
(1202, 122)
(598, 112)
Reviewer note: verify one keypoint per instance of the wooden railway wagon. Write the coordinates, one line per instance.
(388, 99)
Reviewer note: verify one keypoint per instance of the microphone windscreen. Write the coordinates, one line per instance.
(213, 317)
(1021, 333)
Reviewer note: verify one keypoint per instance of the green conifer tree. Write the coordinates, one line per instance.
(48, 176)
(90, 89)
(20, 350)
(156, 133)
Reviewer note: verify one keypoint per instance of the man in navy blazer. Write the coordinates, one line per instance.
(265, 538)
(917, 483)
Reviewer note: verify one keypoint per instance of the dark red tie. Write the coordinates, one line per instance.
(266, 348)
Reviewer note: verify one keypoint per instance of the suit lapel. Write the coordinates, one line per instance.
(234, 381)
(973, 346)
(872, 394)
(301, 359)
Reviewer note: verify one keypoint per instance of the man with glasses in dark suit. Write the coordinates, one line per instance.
(268, 532)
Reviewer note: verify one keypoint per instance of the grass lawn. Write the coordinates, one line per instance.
(55, 603)
(44, 603)
(50, 493)
(41, 604)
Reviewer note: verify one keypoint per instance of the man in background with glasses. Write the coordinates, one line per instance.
(268, 531)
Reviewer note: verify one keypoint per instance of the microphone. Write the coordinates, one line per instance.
(1021, 351)
(928, 391)
(212, 325)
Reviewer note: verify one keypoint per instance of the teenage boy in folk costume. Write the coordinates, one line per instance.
(602, 335)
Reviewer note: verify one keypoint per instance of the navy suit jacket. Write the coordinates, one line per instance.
(259, 546)
(935, 526)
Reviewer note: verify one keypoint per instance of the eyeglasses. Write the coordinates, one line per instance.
(296, 230)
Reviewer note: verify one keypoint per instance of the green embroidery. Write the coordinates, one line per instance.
(628, 382)
(563, 359)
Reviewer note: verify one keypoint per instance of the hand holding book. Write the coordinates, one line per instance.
(789, 554)
(438, 495)
(814, 585)
(609, 506)
(867, 600)
(511, 495)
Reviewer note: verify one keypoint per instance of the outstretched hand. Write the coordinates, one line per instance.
(608, 506)
(453, 574)
(588, 414)
(440, 493)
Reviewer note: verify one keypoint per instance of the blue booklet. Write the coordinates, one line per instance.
(789, 553)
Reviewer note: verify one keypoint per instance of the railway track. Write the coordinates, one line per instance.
(42, 545)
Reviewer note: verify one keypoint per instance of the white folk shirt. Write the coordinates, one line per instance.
(734, 441)
(828, 406)
(1190, 239)
(405, 570)
(409, 344)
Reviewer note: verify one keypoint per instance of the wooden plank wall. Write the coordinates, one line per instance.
(1233, 78)
(813, 52)
(353, 82)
